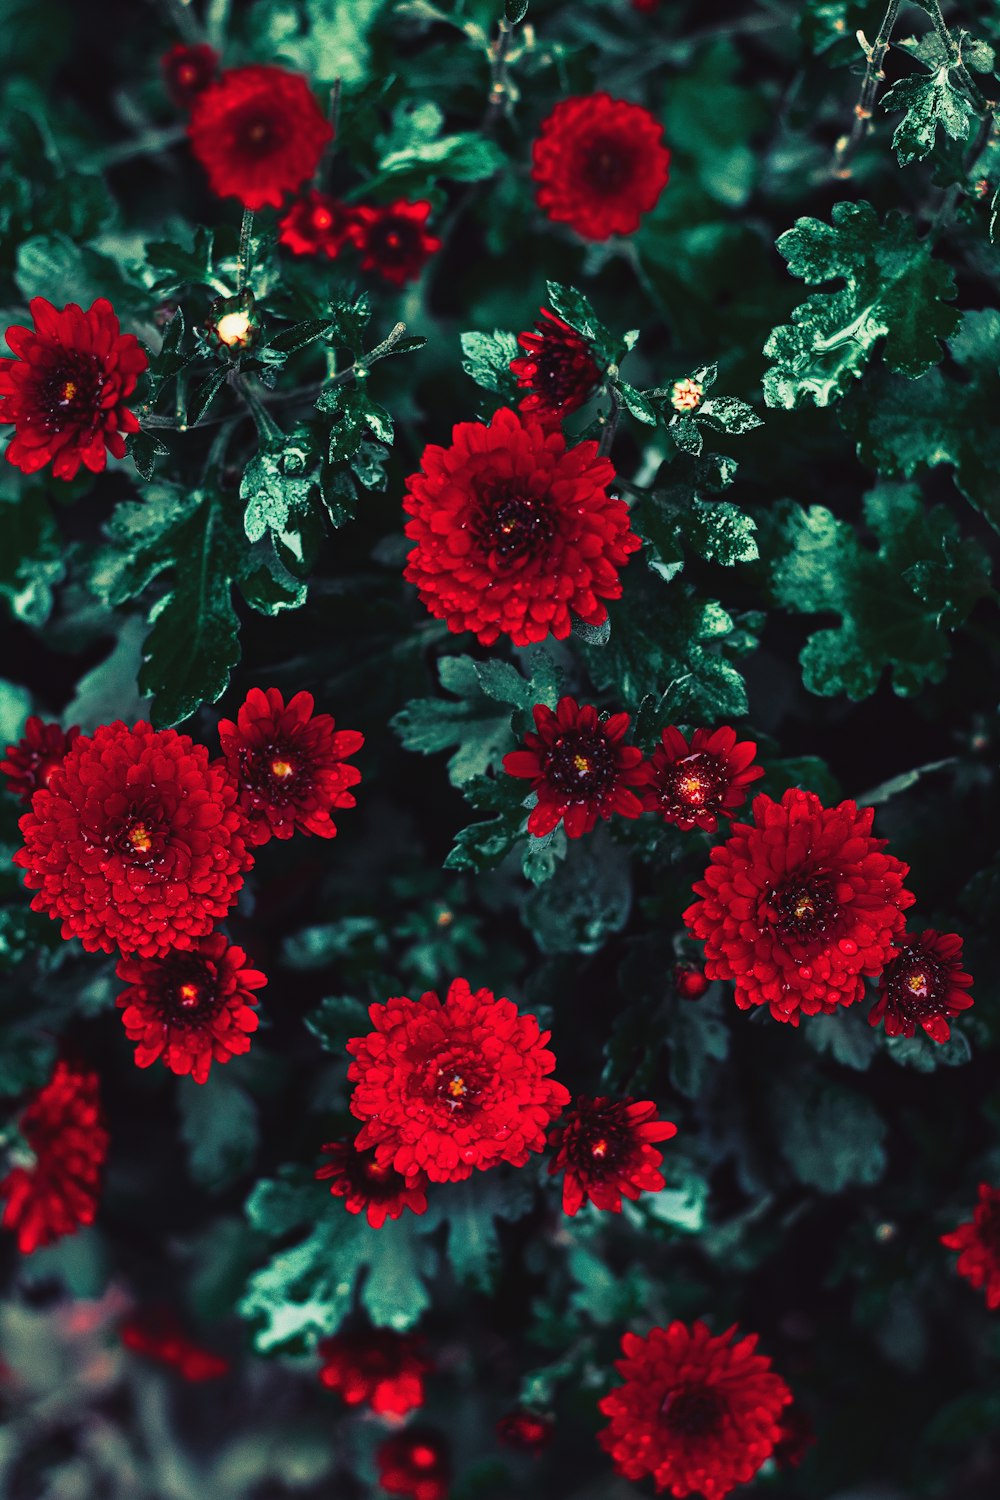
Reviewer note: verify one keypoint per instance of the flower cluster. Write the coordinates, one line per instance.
(392, 239)
(414, 1463)
(377, 1368)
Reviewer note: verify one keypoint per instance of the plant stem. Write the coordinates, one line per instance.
(610, 424)
(180, 14)
(498, 50)
(244, 265)
(144, 145)
(954, 52)
(366, 360)
(267, 427)
(874, 75)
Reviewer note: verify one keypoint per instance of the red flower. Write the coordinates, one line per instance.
(798, 906)
(289, 765)
(600, 164)
(579, 767)
(188, 71)
(394, 240)
(379, 1367)
(559, 370)
(513, 531)
(700, 1414)
(690, 982)
(446, 1087)
(366, 1186)
(648, 6)
(193, 1007)
(604, 1147)
(259, 134)
(318, 223)
(32, 760)
(694, 785)
(157, 1334)
(527, 1431)
(979, 1243)
(57, 1192)
(136, 841)
(415, 1463)
(65, 390)
(923, 986)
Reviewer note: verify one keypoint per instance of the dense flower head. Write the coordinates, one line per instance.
(558, 369)
(600, 164)
(188, 71)
(515, 532)
(605, 1148)
(289, 764)
(136, 842)
(65, 389)
(156, 1333)
(444, 1087)
(192, 1007)
(924, 985)
(394, 239)
(694, 784)
(690, 982)
(259, 134)
(57, 1191)
(799, 905)
(383, 1369)
(319, 224)
(379, 1192)
(698, 1413)
(527, 1431)
(579, 766)
(414, 1463)
(979, 1245)
(30, 762)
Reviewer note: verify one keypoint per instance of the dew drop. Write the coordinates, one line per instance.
(847, 945)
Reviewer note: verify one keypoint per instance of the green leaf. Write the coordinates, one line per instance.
(144, 449)
(204, 393)
(277, 485)
(699, 1039)
(322, 39)
(587, 900)
(177, 268)
(924, 1055)
(219, 1128)
(470, 1210)
(636, 402)
(468, 721)
(515, 10)
(336, 1019)
(720, 532)
(572, 306)
(846, 1036)
(831, 1137)
(32, 559)
(55, 265)
(466, 157)
(727, 414)
(929, 102)
(487, 360)
(483, 845)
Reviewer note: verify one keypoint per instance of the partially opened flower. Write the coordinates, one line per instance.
(557, 369)
(414, 1463)
(394, 239)
(317, 224)
(30, 762)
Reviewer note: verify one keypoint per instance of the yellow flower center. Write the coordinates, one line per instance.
(582, 764)
(188, 995)
(282, 769)
(457, 1088)
(68, 390)
(233, 328)
(140, 839)
(917, 983)
(803, 908)
(599, 1148)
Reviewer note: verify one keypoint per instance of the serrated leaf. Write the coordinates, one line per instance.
(219, 1128)
(636, 402)
(846, 1037)
(482, 846)
(487, 360)
(586, 901)
(929, 102)
(728, 413)
(471, 722)
(336, 1019)
(177, 267)
(831, 1137)
(721, 532)
(470, 1210)
(925, 1055)
(203, 394)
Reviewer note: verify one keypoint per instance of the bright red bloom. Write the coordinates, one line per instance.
(259, 134)
(799, 906)
(690, 982)
(156, 1333)
(193, 1007)
(527, 1431)
(695, 784)
(558, 370)
(923, 986)
(394, 239)
(379, 1191)
(449, 1086)
(979, 1244)
(136, 841)
(383, 1369)
(318, 223)
(579, 767)
(605, 1148)
(58, 1191)
(65, 390)
(289, 764)
(700, 1414)
(30, 763)
(514, 530)
(414, 1463)
(600, 164)
(188, 71)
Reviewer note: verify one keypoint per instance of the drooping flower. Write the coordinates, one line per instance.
(446, 1087)
(258, 133)
(414, 1463)
(579, 766)
(600, 164)
(65, 389)
(136, 842)
(698, 1413)
(30, 762)
(193, 1007)
(605, 1148)
(383, 1369)
(188, 71)
(57, 1191)
(799, 906)
(380, 1192)
(514, 532)
(289, 764)
(923, 986)
(394, 239)
(979, 1245)
(695, 784)
(558, 369)
(689, 981)
(319, 224)
(526, 1431)
(156, 1333)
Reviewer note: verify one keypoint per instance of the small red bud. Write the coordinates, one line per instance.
(689, 982)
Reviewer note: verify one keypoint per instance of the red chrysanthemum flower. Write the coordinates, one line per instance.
(526, 1431)
(695, 784)
(799, 906)
(648, 6)
(979, 1245)
(367, 1187)
(30, 763)
(600, 164)
(700, 1414)
(514, 530)
(690, 982)
(448, 1086)
(289, 764)
(188, 71)
(414, 1463)
(136, 841)
(57, 1191)
(318, 223)
(66, 388)
(193, 1007)
(579, 766)
(796, 1437)
(259, 134)
(394, 239)
(558, 369)
(605, 1148)
(923, 986)
(156, 1333)
(383, 1369)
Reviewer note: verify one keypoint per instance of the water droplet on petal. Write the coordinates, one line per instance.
(847, 945)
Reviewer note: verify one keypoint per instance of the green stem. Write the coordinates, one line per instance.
(153, 142)
(367, 360)
(498, 50)
(244, 265)
(954, 52)
(874, 75)
(610, 423)
(267, 428)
